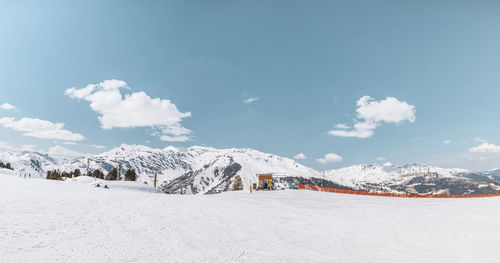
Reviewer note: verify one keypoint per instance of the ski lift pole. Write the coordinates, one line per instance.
(154, 182)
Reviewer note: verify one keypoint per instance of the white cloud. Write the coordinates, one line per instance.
(300, 156)
(7, 106)
(41, 129)
(70, 143)
(485, 148)
(387, 164)
(250, 100)
(361, 130)
(97, 146)
(28, 147)
(446, 142)
(62, 151)
(479, 139)
(380, 158)
(342, 126)
(24, 147)
(133, 110)
(330, 158)
(371, 114)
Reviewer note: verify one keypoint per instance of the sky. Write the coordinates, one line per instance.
(329, 83)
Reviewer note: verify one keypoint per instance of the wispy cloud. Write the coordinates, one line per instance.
(98, 146)
(63, 151)
(342, 126)
(24, 147)
(479, 139)
(446, 141)
(7, 106)
(41, 129)
(250, 100)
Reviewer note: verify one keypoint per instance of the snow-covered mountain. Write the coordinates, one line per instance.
(213, 170)
(193, 170)
(414, 178)
(204, 170)
(493, 172)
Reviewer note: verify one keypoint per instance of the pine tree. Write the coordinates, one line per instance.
(130, 175)
(98, 174)
(53, 175)
(113, 175)
(237, 184)
(77, 172)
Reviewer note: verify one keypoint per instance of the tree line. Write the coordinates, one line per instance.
(6, 166)
(129, 175)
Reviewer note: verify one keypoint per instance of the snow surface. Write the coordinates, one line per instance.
(362, 174)
(72, 221)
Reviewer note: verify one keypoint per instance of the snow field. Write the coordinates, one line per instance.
(72, 221)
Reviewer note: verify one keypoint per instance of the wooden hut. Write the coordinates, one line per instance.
(265, 181)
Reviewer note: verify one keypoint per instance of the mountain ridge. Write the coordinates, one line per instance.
(206, 170)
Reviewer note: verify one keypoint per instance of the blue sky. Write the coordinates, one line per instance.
(305, 64)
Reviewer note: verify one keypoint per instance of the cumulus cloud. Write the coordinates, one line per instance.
(133, 110)
(446, 142)
(372, 113)
(250, 100)
(300, 156)
(330, 158)
(7, 106)
(41, 129)
(485, 148)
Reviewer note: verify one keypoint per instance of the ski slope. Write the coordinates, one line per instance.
(72, 221)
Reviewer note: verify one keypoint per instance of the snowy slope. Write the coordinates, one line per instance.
(206, 170)
(192, 170)
(72, 221)
(493, 172)
(213, 170)
(413, 178)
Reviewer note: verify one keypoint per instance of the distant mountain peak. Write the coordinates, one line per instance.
(202, 169)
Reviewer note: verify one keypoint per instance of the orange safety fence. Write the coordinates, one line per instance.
(355, 192)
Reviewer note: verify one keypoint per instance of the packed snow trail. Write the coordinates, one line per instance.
(72, 221)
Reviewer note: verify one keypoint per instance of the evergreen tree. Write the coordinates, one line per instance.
(237, 184)
(6, 165)
(130, 175)
(113, 175)
(98, 174)
(77, 172)
(53, 175)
